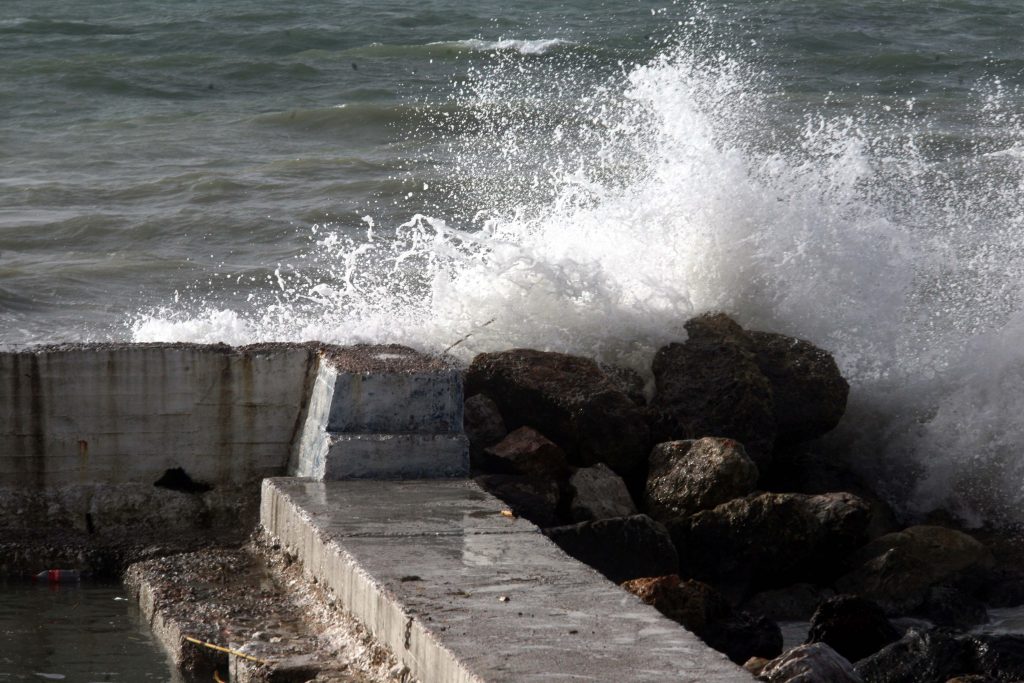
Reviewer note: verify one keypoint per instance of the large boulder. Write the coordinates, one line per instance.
(621, 548)
(809, 392)
(931, 656)
(771, 539)
(852, 626)
(482, 422)
(533, 498)
(598, 493)
(897, 570)
(709, 615)
(800, 469)
(814, 663)
(711, 385)
(569, 400)
(685, 477)
(525, 451)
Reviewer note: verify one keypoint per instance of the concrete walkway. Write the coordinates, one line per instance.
(463, 593)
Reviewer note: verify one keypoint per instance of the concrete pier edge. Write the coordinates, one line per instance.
(462, 594)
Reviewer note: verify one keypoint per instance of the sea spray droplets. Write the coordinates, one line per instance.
(596, 218)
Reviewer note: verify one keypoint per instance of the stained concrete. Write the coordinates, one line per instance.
(461, 592)
(364, 422)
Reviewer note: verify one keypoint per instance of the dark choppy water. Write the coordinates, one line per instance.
(574, 176)
(80, 633)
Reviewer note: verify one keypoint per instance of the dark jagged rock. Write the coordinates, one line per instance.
(598, 493)
(482, 423)
(810, 394)
(527, 452)
(897, 570)
(799, 469)
(814, 663)
(711, 385)
(931, 656)
(569, 400)
(709, 615)
(793, 603)
(954, 608)
(626, 380)
(771, 539)
(852, 626)
(998, 656)
(685, 477)
(532, 498)
(621, 548)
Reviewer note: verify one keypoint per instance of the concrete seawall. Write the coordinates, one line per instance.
(132, 444)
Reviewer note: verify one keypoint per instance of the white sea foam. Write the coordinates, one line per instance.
(608, 217)
(538, 46)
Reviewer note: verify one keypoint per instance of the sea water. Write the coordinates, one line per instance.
(87, 632)
(577, 176)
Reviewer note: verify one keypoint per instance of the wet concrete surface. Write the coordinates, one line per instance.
(461, 591)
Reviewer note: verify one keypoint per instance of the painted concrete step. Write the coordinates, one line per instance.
(461, 592)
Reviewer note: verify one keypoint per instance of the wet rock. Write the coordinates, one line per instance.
(815, 663)
(482, 423)
(532, 498)
(800, 469)
(621, 548)
(852, 626)
(998, 656)
(793, 603)
(527, 452)
(598, 493)
(711, 385)
(771, 539)
(756, 665)
(685, 477)
(626, 380)
(953, 608)
(569, 400)
(809, 391)
(920, 656)
(708, 614)
(897, 570)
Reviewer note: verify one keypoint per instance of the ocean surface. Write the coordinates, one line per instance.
(577, 176)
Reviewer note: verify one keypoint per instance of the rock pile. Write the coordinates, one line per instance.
(712, 503)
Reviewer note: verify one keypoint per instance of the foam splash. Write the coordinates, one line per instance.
(596, 220)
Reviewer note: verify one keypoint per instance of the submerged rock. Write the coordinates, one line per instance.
(689, 476)
(708, 614)
(569, 400)
(621, 548)
(527, 452)
(815, 663)
(897, 570)
(852, 626)
(598, 493)
(771, 539)
(711, 385)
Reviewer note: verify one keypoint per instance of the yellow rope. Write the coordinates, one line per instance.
(228, 650)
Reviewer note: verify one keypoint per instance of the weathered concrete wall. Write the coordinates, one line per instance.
(101, 414)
